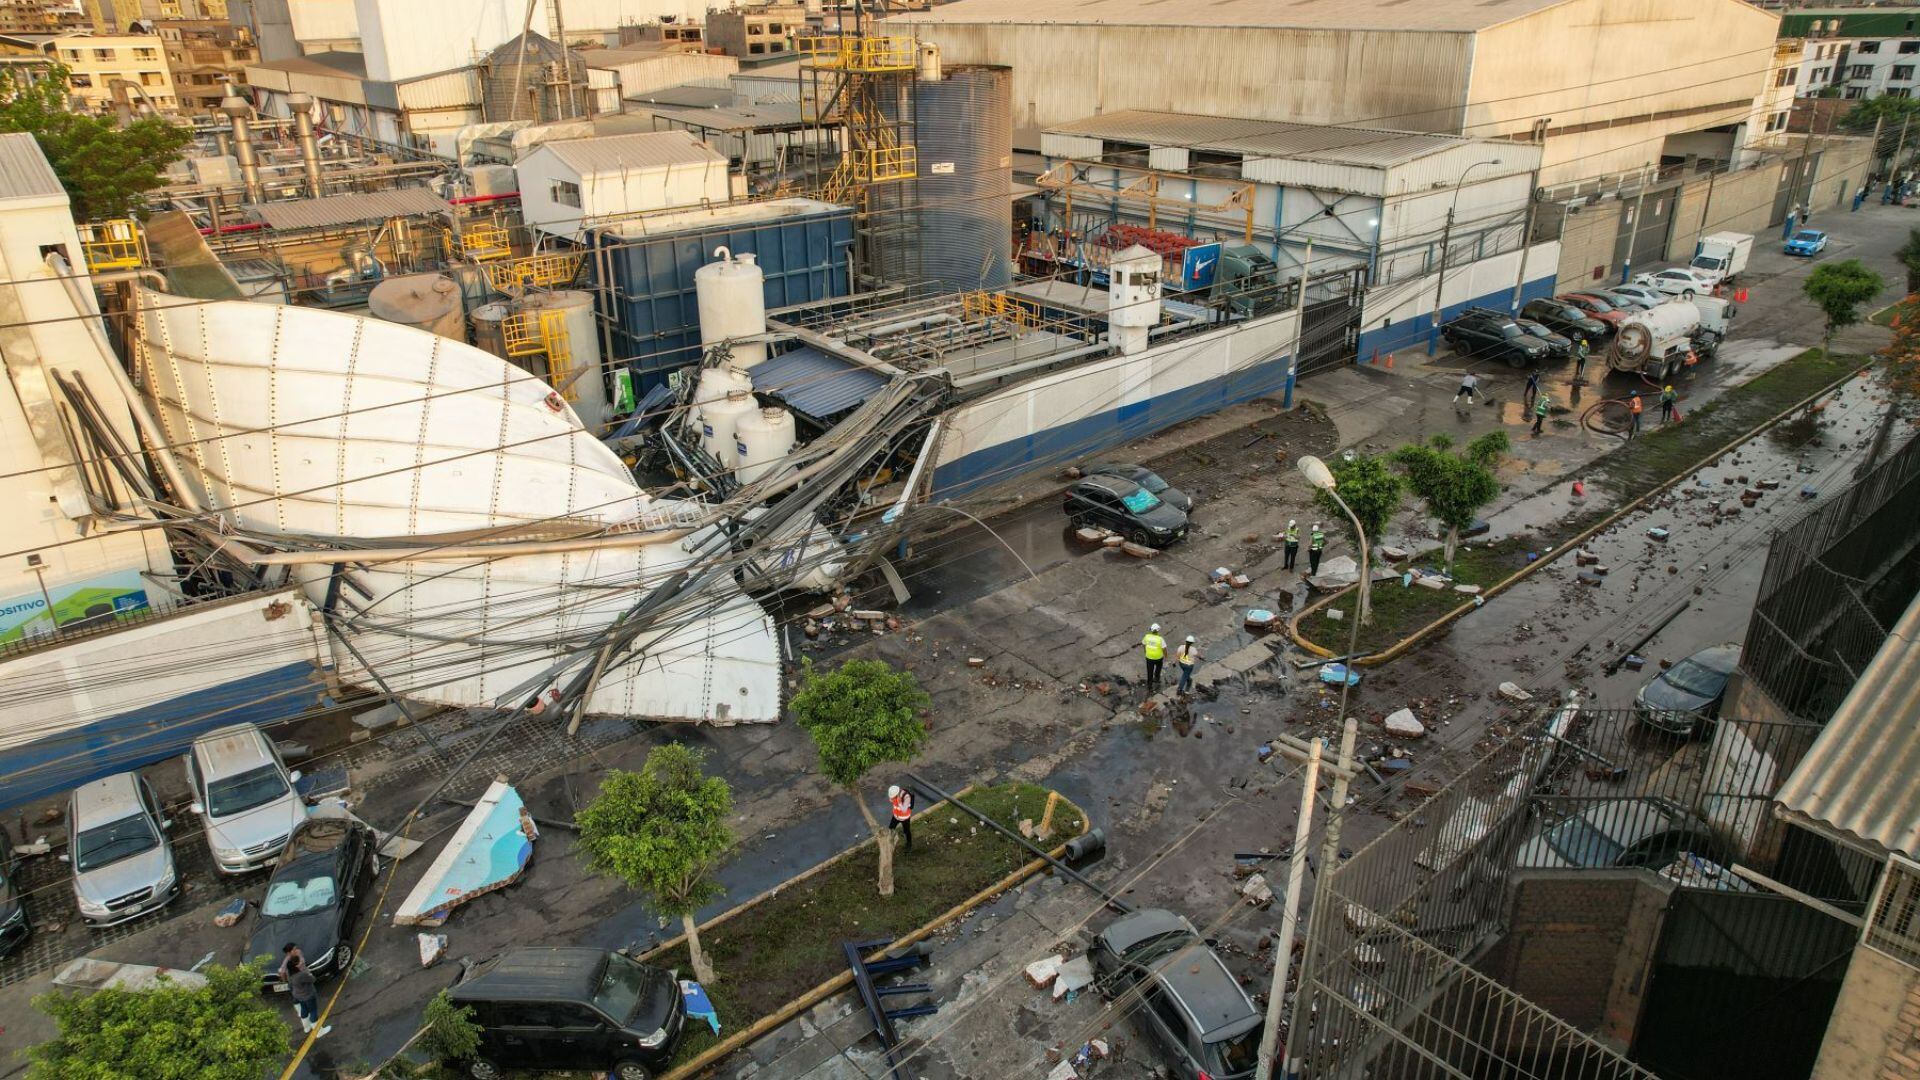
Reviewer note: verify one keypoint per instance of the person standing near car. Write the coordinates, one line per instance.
(1316, 543)
(1292, 537)
(306, 995)
(900, 806)
(1185, 658)
(289, 953)
(1154, 648)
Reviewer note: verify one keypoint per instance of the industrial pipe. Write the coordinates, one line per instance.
(237, 108)
(302, 106)
(465, 200)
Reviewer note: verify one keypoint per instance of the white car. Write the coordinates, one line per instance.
(245, 797)
(1681, 281)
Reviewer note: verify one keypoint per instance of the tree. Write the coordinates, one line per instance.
(662, 831)
(104, 167)
(1839, 289)
(1454, 486)
(1373, 492)
(1909, 256)
(221, 1031)
(1887, 111)
(863, 714)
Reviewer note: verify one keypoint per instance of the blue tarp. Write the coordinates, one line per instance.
(816, 384)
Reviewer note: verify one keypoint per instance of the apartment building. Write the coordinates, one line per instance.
(205, 56)
(96, 63)
(1860, 52)
(39, 17)
(756, 32)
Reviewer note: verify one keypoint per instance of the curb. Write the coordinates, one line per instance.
(713, 1055)
(1399, 648)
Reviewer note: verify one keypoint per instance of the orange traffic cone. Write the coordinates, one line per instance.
(1389, 361)
(1579, 489)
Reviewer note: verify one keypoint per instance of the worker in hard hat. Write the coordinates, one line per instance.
(1184, 660)
(900, 803)
(1292, 538)
(1154, 648)
(1667, 401)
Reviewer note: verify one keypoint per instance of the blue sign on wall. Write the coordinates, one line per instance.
(1198, 265)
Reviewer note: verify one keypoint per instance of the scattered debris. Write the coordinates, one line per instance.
(1072, 977)
(1139, 551)
(1402, 724)
(1334, 673)
(432, 948)
(230, 914)
(1657, 535)
(1041, 972)
(1256, 891)
(1512, 692)
(1260, 619)
(976, 661)
(1634, 663)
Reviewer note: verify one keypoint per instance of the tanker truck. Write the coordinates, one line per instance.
(1655, 343)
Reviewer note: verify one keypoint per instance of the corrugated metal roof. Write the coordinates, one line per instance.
(351, 64)
(616, 153)
(695, 97)
(1859, 777)
(743, 118)
(354, 209)
(815, 383)
(24, 172)
(1375, 148)
(1456, 16)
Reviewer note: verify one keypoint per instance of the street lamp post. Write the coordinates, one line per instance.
(1446, 237)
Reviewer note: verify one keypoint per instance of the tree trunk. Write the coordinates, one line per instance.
(702, 967)
(882, 840)
(1453, 542)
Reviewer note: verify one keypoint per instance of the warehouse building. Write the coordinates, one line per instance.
(570, 185)
(1611, 79)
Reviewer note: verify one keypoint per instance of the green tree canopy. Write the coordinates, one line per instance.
(1374, 493)
(104, 167)
(1886, 110)
(1454, 486)
(221, 1031)
(1839, 288)
(662, 831)
(1909, 256)
(859, 715)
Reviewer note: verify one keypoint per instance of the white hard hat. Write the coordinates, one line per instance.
(1291, 522)
(1155, 628)
(893, 792)
(1189, 639)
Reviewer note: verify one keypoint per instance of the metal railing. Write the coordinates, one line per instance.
(850, 52)
(112, 245)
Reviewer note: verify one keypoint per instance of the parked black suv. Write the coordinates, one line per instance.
(1190, 1003)
(1116, 503)
(1492, 336)
(1564, 318)
(587, 1009)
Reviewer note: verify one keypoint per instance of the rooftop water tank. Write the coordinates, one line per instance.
(761, 443)
(717, 422)
(429, 302)
(733, 304)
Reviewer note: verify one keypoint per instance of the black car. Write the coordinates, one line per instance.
(1489, 335)
(1564, 318)
(1146, 478)
(1119, 504)
(1687, 696)
(571, 1009)
(1559, 346)
(1189, 1002)
(14, 927)
(324, 875)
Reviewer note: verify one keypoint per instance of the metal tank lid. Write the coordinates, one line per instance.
(414, 298)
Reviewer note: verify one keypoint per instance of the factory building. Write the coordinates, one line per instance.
(1610, 80)
(568, 185)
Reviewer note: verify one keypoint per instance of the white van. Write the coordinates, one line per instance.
(244, 795)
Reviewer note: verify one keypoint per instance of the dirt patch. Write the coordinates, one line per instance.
(789, 943)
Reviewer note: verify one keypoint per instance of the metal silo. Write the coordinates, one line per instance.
(963, 128)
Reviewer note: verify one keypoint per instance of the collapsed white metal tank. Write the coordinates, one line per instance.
(317, 426)
(573, 361)
(761, 441)
(733, 304)
(717, 422)
(489, 322)
(429, 302)
(717, 382)
(1133, 293)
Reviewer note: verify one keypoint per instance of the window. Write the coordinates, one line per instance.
(756, 28)
(80, 82)
(756, 48)
(151, 78)
(1860, 71)
(1908, 48)
(778, 46)
(70, 54)
(144, 54)
(1899, 91)
(1787, 77)
(1893, 925)
(566, 193)
(1777, 122)
(775, 28)
(103, 54)
(1855, 93)
(1901, 73)
(1819, 75)
(1867, 48)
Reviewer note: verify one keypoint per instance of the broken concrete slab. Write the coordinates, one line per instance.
(1512, 692)
(1402, 724)
(1042, 971)
(1072, 977)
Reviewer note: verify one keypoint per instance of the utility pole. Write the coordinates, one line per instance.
(1526, 239)
(1446, 236)
(1705, 210)
(1894, 166)
(1633, 230)
(1299, 326)
(1289, 918)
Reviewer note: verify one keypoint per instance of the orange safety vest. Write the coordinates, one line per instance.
(1636, 405)
(902, 806)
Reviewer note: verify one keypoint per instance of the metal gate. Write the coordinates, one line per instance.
(1644, 229)
(1330, 329)
(1730, 964)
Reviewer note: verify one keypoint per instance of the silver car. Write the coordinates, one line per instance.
(122, 862)
(244, 795)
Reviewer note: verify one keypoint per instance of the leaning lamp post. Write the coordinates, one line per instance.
(1446, 240)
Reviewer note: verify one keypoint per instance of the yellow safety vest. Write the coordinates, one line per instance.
(1319, 540)
(1155, 645)
(1293, 534)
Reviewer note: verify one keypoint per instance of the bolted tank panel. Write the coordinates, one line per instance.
(962, 233)
(429, 302)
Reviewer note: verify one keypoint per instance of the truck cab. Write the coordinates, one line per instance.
(1721, 257)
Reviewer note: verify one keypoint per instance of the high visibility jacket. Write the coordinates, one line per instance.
(1668, 397)
(902, 806)
(1293, 534)
(1319, 540)
(1540, 407)
(1635, 405)
(1155, 646)
(1186, 656)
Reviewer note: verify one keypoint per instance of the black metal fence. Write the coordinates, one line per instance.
(1835, 582)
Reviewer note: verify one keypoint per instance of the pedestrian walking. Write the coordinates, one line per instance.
(1539, 413)
(1858, 198)
(1533, 387)
(1154, 648)
(1292, 536)
(1634, 408)
(1469, 386)
(306, 995)
(1316, 543)
(289, 953)
(1184, 658)
(1667, 400)
(900, 803)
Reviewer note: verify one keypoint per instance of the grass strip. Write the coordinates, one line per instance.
(1659, 454)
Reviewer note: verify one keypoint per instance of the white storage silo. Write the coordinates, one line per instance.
(761, 443)
(1133, 295)
(573, 365)
(429, 302)
(717, 422)
(733, 304)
